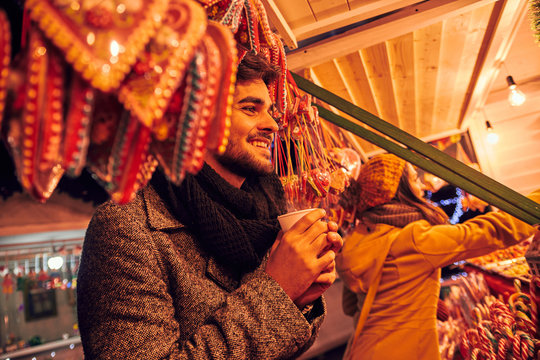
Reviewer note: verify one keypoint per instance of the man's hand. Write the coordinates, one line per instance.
(303, 255)
(318, 287)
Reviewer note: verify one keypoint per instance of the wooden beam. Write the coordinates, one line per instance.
(403, 21)
(365, 10)
(277, 19)
(500, 34)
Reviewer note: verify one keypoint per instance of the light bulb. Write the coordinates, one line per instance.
(55, 262)
(492, 137)
(515, 97)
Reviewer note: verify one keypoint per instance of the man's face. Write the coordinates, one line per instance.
(252, 131)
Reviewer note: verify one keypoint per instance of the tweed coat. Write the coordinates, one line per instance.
(146, 290)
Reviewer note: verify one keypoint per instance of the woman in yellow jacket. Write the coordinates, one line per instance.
(391, 262)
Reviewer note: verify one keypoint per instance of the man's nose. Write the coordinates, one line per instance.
(268, 123)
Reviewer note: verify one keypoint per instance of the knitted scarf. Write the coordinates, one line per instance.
(393, 213)
(236, 226)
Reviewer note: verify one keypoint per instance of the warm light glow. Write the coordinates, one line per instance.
(114, 48)
(516, 97)
(90, 38)
(55, 262)
(492, 137)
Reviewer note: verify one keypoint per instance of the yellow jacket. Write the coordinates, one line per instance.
(402, 320)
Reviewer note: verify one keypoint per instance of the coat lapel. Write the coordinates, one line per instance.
(160, 218)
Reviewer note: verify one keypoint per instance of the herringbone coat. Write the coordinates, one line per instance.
(146, 290)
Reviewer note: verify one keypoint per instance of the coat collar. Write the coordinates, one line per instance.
(159, 216)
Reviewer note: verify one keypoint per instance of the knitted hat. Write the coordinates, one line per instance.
(378, 181)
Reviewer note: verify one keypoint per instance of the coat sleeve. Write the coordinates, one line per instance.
(445, 244)
(126, 310)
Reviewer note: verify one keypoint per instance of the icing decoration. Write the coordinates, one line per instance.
(147, 91)
(100, 39)
(77, 135)
(49, 167)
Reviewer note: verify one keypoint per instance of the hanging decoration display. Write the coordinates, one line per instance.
(535, 18)
(314, 166)
(122, 87)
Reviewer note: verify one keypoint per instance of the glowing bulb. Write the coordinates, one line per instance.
(516, 97)
(492, 138)
(114, 48)
(55, 262)
(90, 38)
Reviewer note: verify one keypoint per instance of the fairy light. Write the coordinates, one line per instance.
(114, 48)
(90, 38)
(458, 210)
(55, 262)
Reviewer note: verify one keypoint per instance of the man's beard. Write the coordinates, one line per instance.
(243, 163)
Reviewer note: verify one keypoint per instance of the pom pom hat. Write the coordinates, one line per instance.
(379, 179)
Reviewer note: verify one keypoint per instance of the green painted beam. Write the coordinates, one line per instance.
(425, 156)
(428, 165)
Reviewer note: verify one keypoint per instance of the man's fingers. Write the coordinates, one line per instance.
(326, 259)
(335, 240)
(326, 278)
(333, 226)
(307, 220)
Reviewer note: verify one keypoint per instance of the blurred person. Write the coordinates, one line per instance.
(390, 263)
(202, 270)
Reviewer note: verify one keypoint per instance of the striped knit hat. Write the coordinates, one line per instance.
(377, 184)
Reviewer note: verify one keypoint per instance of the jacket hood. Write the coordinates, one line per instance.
(363, 255)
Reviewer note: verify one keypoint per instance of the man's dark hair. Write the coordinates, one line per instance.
(255, 66)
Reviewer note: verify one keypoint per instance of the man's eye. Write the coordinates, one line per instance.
(250, 109)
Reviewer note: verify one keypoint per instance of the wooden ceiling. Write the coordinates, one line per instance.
(425, 66)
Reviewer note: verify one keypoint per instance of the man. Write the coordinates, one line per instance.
(200, 270)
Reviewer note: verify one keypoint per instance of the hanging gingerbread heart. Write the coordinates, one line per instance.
(5, 56)
(77, 133)
(35, 134)
(232, 16)
(171, 152)
(252, 24)
(221, 119)
(130, 160)
(212, 66)
(101, 39)
(215, 10)
(166, 132)
(147, 90)
(49, 157)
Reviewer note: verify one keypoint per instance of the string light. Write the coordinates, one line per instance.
(515, 96)
(492, 137)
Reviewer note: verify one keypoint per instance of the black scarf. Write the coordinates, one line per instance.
(393, 213)
(236, 226)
